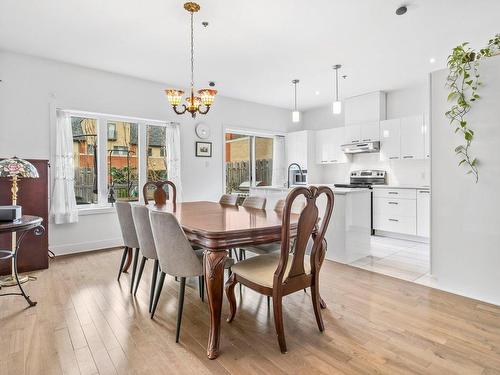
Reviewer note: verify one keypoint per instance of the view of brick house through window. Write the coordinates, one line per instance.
(122, 158)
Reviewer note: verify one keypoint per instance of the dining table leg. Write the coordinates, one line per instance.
(213, 266)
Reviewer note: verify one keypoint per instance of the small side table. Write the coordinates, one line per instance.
(22, 226)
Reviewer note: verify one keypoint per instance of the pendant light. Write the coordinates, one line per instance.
(295, 113)
(337, 104)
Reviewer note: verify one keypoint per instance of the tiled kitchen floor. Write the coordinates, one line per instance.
(405, 260)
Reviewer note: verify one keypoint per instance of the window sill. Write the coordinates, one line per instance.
(96, 210)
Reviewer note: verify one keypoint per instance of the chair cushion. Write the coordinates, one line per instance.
(229, 261)
(260, 269)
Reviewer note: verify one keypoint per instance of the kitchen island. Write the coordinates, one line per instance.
(349, 231)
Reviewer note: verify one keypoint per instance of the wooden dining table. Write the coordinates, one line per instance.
(217, 228)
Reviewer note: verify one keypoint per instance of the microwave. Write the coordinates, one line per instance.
(299, 179)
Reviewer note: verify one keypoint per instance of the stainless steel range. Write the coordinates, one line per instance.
(365, 179)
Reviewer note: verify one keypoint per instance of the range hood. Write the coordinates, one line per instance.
(361, 147)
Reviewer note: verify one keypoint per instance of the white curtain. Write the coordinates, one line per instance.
(279, 178)
(63, 203)
(173, 156)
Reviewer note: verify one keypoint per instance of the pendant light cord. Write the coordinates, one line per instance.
(337, 84)
(295, 85)
(192, 53)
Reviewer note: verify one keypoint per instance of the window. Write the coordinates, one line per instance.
(249, 162)
(114, 157)
(85, 159)
(123, 178)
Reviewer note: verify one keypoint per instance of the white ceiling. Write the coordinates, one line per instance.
(253, 49)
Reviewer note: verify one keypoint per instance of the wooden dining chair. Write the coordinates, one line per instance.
(160, 196)
(228, 199)
(129, 235)
(290, 270)
(177, 258)
(147, 245)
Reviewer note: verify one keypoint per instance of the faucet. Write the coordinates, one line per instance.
(288, 174)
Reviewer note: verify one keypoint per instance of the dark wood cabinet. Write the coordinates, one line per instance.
(33, 196)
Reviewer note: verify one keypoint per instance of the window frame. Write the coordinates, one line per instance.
(102, 120)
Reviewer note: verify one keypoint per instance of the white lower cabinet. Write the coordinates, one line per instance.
(423, 213)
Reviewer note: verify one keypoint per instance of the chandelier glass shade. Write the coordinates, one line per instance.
(205, 98)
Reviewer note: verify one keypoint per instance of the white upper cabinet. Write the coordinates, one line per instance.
(352, 133)
(370, 132)
(412, 137)
(328, 142)
(427, 137)
(365, 108)
(296, 148)
(390, 139)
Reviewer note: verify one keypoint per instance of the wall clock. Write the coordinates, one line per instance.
(202, 130)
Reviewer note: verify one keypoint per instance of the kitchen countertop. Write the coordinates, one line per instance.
(420, 187)
(340, 191)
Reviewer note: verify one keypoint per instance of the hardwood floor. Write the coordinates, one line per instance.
(88, 323)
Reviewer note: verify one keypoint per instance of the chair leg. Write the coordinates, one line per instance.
(134, 270)
(243, 254)
(158, 292)
(316, 301)
(182, 289)
(230, 284)
(122, 262)
(278, 321)
(201, 287)
(153, 284)
(139, 275)
(268, 302)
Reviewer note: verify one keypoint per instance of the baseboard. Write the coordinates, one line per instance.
(401, 236)
(82, 247)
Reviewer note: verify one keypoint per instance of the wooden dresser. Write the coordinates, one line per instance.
(34, 198)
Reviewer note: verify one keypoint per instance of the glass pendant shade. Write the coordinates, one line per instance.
(295, 116)
(337, 107)
(207, 96)
(174, 96)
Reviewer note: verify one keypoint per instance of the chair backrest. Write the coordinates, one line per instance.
(160, 195)
(306, 229)
(124, 211)
(229, 199)
(175, 254)
(142, 223)
(297, 206)
(254, 202)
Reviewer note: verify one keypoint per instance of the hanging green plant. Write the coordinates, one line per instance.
(463, 81)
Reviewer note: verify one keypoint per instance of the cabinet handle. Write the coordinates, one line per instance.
(394, 157)
(355, 140)
(323, 161)
(393, 192)
(367, 140)
(408, 157)
(424, 191)
(394, 220)
(333, 161)
(393, 203)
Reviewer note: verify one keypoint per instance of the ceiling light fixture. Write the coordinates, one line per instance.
(432, 60)
(295, 113)
(206, 96)
(337, 104)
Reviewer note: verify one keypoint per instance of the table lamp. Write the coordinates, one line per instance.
(15, 169)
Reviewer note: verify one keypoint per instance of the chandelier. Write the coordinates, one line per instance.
(205, 97)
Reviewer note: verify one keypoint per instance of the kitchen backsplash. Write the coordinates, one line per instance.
(399, 172)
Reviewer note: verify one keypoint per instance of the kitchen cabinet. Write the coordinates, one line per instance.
(412, 137)
(427, 139)
(365, 108)
(328, 142)
(395, 210)
(297, 148)
(366, 132)
(390, 139)
(423, 212)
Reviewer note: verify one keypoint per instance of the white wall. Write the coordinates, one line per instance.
(465, 227)
(400, 103)
(30, 84)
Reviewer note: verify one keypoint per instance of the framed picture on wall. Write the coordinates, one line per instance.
(204, 149)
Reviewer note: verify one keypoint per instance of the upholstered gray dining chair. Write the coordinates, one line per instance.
(254, 202)
(177, 258)
(142, 223)
(228, 199)
(124, 212)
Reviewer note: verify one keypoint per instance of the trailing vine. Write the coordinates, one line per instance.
(463, 81)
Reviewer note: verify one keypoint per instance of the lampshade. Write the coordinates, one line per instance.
(17, 167)
(207, 96)
(174, 96)
(295, 116)
(337, 107)
(193, 102)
